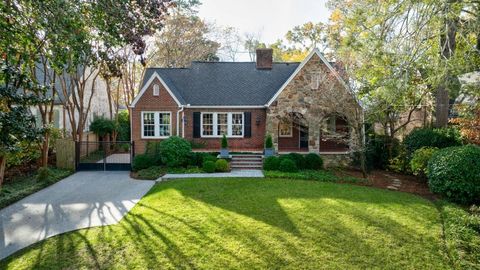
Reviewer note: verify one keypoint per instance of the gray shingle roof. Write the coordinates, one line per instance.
(224, 83)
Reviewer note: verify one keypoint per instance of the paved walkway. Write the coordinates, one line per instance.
(233, 173)
(82, 200)
(395, 184)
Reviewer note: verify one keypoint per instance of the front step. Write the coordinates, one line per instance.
(246, 162)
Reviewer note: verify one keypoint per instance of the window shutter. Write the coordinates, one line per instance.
(248, 124)
(196, 124)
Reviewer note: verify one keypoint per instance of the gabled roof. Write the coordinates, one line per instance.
(222, 83)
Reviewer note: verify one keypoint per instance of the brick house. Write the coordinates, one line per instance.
(305, 107)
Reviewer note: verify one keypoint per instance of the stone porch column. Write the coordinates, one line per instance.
(314, 137)
(272, 129)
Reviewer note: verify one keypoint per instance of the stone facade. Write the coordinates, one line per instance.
(301, 98)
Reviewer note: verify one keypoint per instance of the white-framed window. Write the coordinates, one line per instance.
(156, 90)
(285, 129)
(156, 124)
(216, 124)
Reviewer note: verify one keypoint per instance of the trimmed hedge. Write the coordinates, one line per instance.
(454, 172)
(221, 165)
(288, 165)
(271, 164)
(431, 137)
(175, 151)
(297, 158)
(313, 161)
(209, 166)
(142, 161)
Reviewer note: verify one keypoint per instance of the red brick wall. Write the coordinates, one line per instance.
(149, 102)
(289, 142)
(164, 102)
(255, 142)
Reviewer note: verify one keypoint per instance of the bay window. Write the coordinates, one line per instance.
(215, 124)
(156, 124)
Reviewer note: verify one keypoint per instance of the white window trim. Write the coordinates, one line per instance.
(286, 135)
(215, 125)
(156, 126)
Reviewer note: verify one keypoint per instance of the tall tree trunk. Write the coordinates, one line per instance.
(447, 47)
(3, 161)
(45, 147)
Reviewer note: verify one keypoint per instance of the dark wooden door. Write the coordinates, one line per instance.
(303, 137)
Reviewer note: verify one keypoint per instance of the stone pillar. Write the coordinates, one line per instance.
(272, 129)
(314, 137)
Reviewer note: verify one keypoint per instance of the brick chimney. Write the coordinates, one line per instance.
(264, 58)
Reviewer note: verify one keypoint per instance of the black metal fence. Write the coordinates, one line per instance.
(104, 156)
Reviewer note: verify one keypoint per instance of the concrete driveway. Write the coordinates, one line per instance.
(82, 200)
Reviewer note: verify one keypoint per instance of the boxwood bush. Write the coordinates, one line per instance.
(175, 151)
(271, 164)
(142, 161)
(221, 165)
(454, 172)
(208, 166)
(288, 165)
(297, 158)
(431, 137)
(313, 161)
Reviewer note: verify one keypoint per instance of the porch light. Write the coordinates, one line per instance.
(258, 120)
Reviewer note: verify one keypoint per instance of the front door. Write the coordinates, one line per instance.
(303, 137)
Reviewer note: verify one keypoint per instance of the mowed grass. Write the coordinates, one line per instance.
(255, 224)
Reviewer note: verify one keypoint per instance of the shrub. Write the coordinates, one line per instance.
(224, 141)
(454, 172)
(208, 166)
(141, 162)
(153, 151)
(43, 174)
(377, 153)
(288, 165)
(123, 126)
(151, 173)
(297, 158)
(420, 159)
(221, 165)
(271, 164)
(431, 137)
(102, 126)
(313, 161)
(175, 151)
(268, 142)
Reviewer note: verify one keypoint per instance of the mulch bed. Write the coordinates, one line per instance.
(383, 179)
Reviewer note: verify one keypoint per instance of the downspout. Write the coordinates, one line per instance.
(178, 115)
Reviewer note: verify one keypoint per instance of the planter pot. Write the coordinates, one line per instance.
(224, 153)
(268, 152)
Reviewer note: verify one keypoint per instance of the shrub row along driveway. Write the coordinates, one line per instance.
(254, 224)
(82, 200)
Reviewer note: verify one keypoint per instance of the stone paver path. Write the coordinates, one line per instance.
(233, 173)
(82, 200)
(395, 182)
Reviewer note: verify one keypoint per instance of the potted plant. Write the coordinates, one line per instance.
(269, 150)
(224, 149)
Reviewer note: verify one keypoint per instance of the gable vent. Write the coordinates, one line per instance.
(156, 90)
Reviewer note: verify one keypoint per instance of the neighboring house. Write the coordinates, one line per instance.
(299, 104)
(61, 119)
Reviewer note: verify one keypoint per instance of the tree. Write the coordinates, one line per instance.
(231, 43)
(183, 39)
(251, 44)
(309, 36)
(16, 121)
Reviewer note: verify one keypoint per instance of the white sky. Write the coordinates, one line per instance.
(271, 19)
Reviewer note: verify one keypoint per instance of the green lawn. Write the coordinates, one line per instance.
(253, 223)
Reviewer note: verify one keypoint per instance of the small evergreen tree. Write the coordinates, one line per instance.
(268, 142)
(224, 142)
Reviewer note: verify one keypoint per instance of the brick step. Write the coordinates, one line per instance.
(245, 163)
(248, 159)
(246, 155)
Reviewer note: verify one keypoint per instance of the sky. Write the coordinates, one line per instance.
(269, 19)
